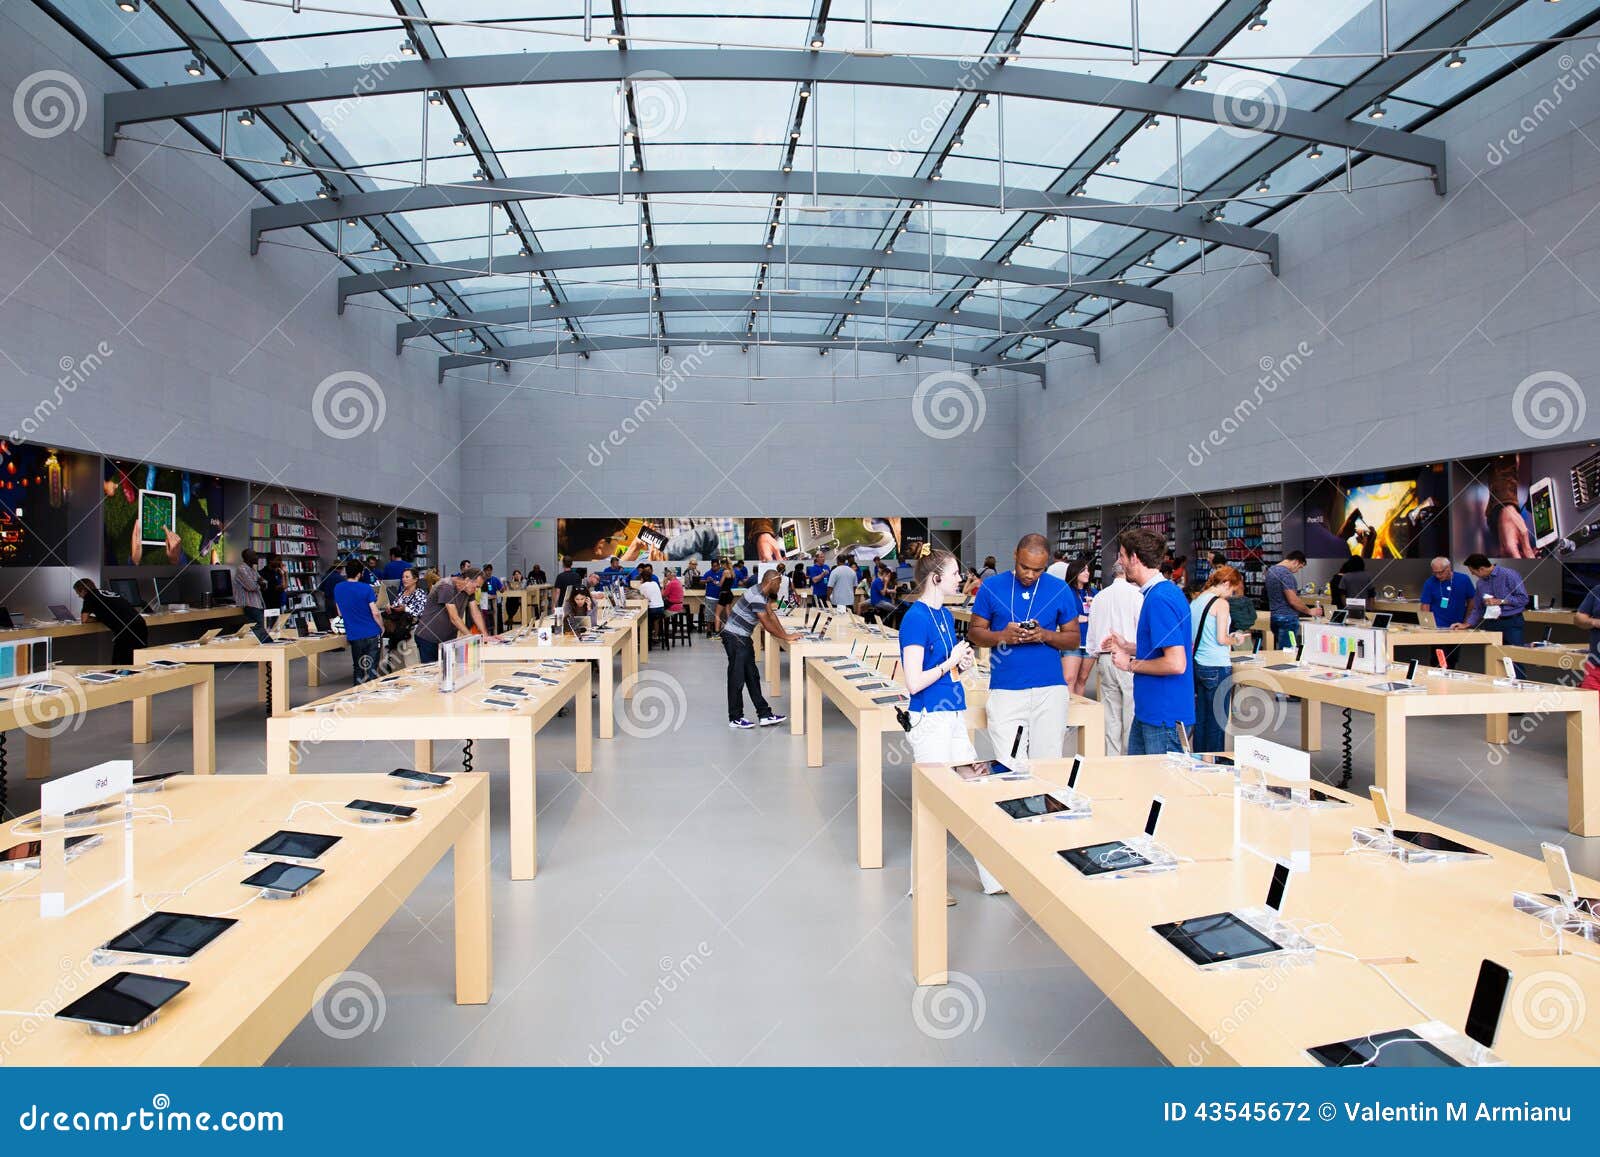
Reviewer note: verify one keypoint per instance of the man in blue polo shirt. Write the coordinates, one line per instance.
(1446, 594)
(817, 575)
(395, 567)
(363, 625)
(1161, 658)
(1027, 689)
(613, 572)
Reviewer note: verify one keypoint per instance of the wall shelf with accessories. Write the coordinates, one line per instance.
(416, 533)
(1078, 533)
(1245, 526)
(358, 530)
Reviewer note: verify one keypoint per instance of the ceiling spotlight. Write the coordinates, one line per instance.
(194, 67)
(407, 48)
(889, 249)
(804, 92)
(633, 167)
(352, 222)
(504, 366)
(1183, 241)
(247, 117)
(326, 192)
(614, 37)
(1113, 160)
(399, 266)
(1455, 60)
(1150, 260)
(459, 140)
(816, 41)
(1153, 123)
(1262, 186)
(936, 175)
(1198, 78)
(788, 168)
(289, 158)
(983, 101)
(128, 5)
(480, 174)
(794, 134)
(823, 352)
(1315, 154)
(957, 143)
(525, 252)
(1377, 112)
(1258, 21)
(436, 98)
(769, 245)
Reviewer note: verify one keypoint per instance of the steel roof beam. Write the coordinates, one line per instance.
(739, 64)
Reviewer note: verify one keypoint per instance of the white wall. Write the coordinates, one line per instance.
(1423, 314)
(535, 449)
(214, 355)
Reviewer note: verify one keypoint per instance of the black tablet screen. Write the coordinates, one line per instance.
(282, 877)
(1401, 1049)
(171, 934)
(1098, 859)
(1433, 842)
(1032, 805)
(1216, 938)
(295, 845)
(125, 1000)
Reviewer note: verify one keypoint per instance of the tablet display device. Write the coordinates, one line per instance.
(1216, 939)
(427, 777)
(1401, 1049)
(126, 1000)
(1031, 807)
(289, 845)
(1433, 842)
(281, 877)
(1098, 859)
(172, 935)
(881, 699)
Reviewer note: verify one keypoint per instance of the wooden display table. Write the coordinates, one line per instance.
(872, 721)
(533, 601)
(250, 988)
(424, 714)
(44, 716)
(1471, 695)
(1427, 926)
(846, 638)
(271, 659)
(203, 616)
(523, 647)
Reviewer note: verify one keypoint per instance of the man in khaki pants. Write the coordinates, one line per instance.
(1115, 611)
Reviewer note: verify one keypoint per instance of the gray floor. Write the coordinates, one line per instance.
(698, 900)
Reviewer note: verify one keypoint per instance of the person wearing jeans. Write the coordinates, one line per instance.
(754, 609)
(1160, 656)
(1210, 619)
(363, 622)
(1284, 604)
(1115, 612)
(1501, 591)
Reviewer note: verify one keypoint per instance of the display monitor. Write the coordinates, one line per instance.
(128, 588)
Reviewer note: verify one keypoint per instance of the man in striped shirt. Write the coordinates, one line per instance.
(753, 609)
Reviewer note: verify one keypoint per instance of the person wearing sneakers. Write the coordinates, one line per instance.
(754, 609)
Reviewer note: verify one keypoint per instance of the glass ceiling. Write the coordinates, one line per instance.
(1310, 54)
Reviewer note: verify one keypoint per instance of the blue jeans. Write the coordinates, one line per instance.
(1153, 738)
(1213, 698)
(1282, 628)
(364, 657)
(1513, 630)
(427, 650)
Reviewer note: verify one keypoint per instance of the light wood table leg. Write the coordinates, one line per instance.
(422, 754)
(797, 693)
(1092, 736)
(261, 683)
(772, 660)
(814, 728)
(607, 720)
(1583, 766)
(203, 724)
(283, 754)
(280, 685)
(583, 720)
(314, 669)
(143, 729)
(1389, 756)
(1310, 725)
(524, 807)
(641, 628)
(1496, 728)
(630, 669)
(869, 796)
(930, 936)
(474, 915)
(38, 756)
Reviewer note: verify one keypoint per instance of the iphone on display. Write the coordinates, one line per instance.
(1542, 502)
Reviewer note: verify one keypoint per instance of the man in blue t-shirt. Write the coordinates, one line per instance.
(395, 567)
(817, 576)
(613, 572)
(363, 625)
(1162, 657)
(1028, 618)
(1446, 594)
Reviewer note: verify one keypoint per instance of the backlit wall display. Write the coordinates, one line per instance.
(1396, 514)
(764, 539)
(189, 503)
(34, 515)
